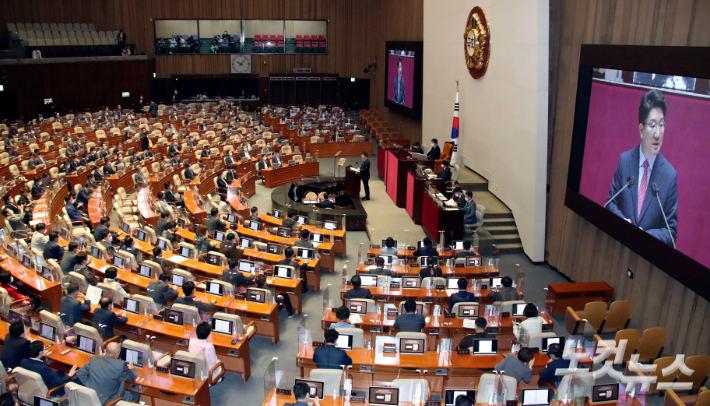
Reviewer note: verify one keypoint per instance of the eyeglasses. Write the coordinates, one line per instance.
(652, 125)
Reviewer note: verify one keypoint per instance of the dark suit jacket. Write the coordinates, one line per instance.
(51, 379)
(97, 233)
(330, 357)
(202, 307)
(71, 310)
(326, 204)
(170, 196)
(231, 251)
(398, 92)
(504, 294)
(160, 292)
(106, 375)
(53, 251)
(626, 204)
(68, 262)
(189, 174)
(467, 342)
(14, 350)
(445, 174)
(426, 272)
(410, 322)
(161, 226)
(461, 296)
(365, 170)
(358, 293)
(235, 277)
(107, 319)
(426, 252)
(434, 153)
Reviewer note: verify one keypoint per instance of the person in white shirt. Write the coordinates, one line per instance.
(532, 323)
(200, 345)
(110, 279)
(40, 238)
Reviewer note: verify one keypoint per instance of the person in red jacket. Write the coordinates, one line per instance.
(12, 290)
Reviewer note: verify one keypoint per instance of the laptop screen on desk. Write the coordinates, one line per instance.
(452, 283)
(468, 311)
(221, 326)
(330, 225)
(316, 238)
(255, 225)
(47, 332)
(383, 396)
(458, 245)
(485, 347)
(219, 236)
(548, 341)
(301, 220)
(133, 356)
(173, 317)
(47, 273)
(605, 393)
(357, 306)
(213, 288)
(368, 280)
(246, 266)
(411, 282)
(144, 270)
(131, 305)
(86, 344)
(182, 368)
(186, 252)
(246, 243)
(40, 401)
(177, 280)
(140, 235)
(345, 341)
(451, 394)
(388, 259)
(161, 244)
(231, 218)
(118, 262)
(535, 397)
(213, 259)
(255, 295)
(27, 262)
(282, 272)
(518, 309)
(473, 261)
(495, 283)
(277, 214)
(284, 232)
(305, 253)
(272, 248)
(412, 346)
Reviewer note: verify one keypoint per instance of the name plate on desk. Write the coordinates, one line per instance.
(511, 403)
(391, 313)
(440, 287)
(318, 344)
(484, 286)
(365, 368)
(368, 262)
(411, 248)
(394, 285)
(535, 349)
(414, 266)
(459, 265)
(432, 403)
(463, 352)
(200, 289)
(357, 399)
(389, 348)
(450, 315)
(375, 329)
(134, 271)
(505, 314)
(375, 246)
(447, 248)
(441, 371)
(283, 391)
(434, 331)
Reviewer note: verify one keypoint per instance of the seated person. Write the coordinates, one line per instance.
(301, 391)
(234, 276)
(160, 290)
(433, 270)
(129, 245)
(213, 222)
(330, 357)
(280, 299)
(435, 151)
(52, 250)
(555, 352)
(15, 347)
(81, 260)
(467, 342)
(532, 323)
(170, 233)
(410, 321)
(188, 299)
(254, 214)
(15, 220)
(74, 213)
(506, 293)
(35, 363)
(389, 248)
(202, 242)
(445, 174)
(162, 223)
(343, 314)
(69, 258)
(427, 250)
(200, 345)
(357, 292)
(328, 203)
(108, 375)
(230, 249)
(517, 367)
(416, 147)
(462, 295)
(105, 318)
(380, 268)
(71, 307)
(110, 277)
(288, 253)
(459, 198)
(290, 221)
(467, 250)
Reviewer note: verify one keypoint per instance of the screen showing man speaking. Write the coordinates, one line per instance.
(400, 77)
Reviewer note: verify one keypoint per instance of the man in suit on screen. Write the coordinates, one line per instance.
(648, 166)
(398, 94)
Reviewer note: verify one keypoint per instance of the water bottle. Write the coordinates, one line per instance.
(448, 261)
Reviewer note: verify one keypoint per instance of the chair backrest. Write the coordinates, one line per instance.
(201, 367)
(29, 384)
(168, 243)
(142, 347)
(155, 269)
(618, 316)
(129, 259)
(147, 304)
(152, 239)
(595, 313)
(268, 296)
(433, 282)
(53, 320)
(227, 288)
(700, 364)
(487, 383)
(357, 333)
(190, 246)
(414, 391)
(413, 335)
(186, 275)
(632, 337)
(79, 279)
(190, 314)
(235, 319)
(400, 308)
(331, 378)
(455, 309)
(79, 395)
(116, 296)
(535, 340)
(651, 345)
(90, 332)
(508, 306)
(587, 379)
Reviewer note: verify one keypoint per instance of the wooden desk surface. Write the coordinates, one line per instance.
(279, 222)
(408, 270)
(289, 173)
(419, 292)
(579, 287)
(401, 252)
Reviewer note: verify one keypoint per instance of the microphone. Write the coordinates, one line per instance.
(629, 182)
(654, 192)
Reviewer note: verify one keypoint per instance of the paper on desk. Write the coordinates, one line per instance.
(355, 319)
(177, 259)
(35, 222)
(104, 268)
(469, 323)
(440, 196)
(371, 267)
(427, 318)
(93, 294)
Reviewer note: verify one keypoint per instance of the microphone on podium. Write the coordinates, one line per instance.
(629, 182)
(654, 192)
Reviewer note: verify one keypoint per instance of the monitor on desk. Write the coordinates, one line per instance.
(222, 326)
(48, 332)
(452, 283)
(277, 214)
(173, 316)
(535, 397)
(246, 266)
(140, 235)
(548, 341)
(213, 259)
(383, 396)
(388, 259)
(47, 273)
(411, 282)
(219, 236)
(135, 357)
(131, 305)
(282, 272)
(345, 342)
(302, 220)
(118, 262)
(213, 288)
(283, 232)
(315, 388)
(368, 281)
(40, 401)
(316, 238)
(605, 393)
(186, 252)
(305, 253)
(495, 282)
(177, 280)
(27, 262)
(126, 228)
(450, 396)
(162, 244)
(256, 295)
(420, 244)
(181, 222)
(10, 250)
(231, 218)
(96, 252)
(65, 233)
(273, 248)
(412, 345)
(86, 344)
(330, 225)
(518, 309)
(356, 306)
(485, 346)
(186, 369)
(255, 225)
(144, 270)
(384, 243)
(473, 261)
(458, 246)
(246, 243)
(468, 311)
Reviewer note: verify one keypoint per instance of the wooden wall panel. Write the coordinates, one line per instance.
(357, 32)
(576, 247)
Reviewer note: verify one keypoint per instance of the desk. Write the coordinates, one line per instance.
(339, 243)
(429, 296)
(446, 271)
(125, 181)
(247, 188)
(382, 148)
(145, 207)
(329, 149)
(289, 173)
(437, 218)
(50, 293)
(402, 253)
(576, 295)
(98, 202)
(416, 187)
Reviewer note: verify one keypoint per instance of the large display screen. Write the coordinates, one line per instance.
(638, 165)
(403, 82)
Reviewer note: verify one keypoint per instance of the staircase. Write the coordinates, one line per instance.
(501, 227)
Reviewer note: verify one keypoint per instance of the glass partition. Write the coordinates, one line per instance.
(176, 36)
(572, 389)
(264, 36)
(220, 36)
(306, 36)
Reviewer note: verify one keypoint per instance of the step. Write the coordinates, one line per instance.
(475, 187)
(515, 248)
(499, 230)
(506, 238)
(497, 222)
(498, 215)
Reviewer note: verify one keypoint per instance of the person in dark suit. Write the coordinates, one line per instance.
(71, 307)
(105, 318)
(276, 159)
(398, 92)
(189, 173)
(301, 391)
(35, 363)
(462, 295)
(107, 375)
(188, 289)
(121, 37)
(170, 196)
(645, 162)
(162, 223)
(380, 268)
(69, 258)
(330, 357)
(506, 293)
(459, 198)
(556, 362)
(434, 152)
(357, 292)
(82, 269)
(410, 321)
(431, 271)
(16, 347)
(365, 175)
(230, 249)
(160, 291)
(416, 147)
(52, 250)
(288, 261)
(445, 174)
(467, 251)
(427, 250)
(153, 109)
(104, 224)
(213, 223)
(108, 169)
(145, 142)
(467, 342)
(221, 185)
(327, 203)
(469, 215)
(234, 276)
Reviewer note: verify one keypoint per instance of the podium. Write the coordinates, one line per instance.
(351, 183)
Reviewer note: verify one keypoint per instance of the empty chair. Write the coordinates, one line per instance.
(632, 337)
(594, 314)
(651, 344)
(487, 385)
(81, 395)
(92, 27)
(201, 367)
(29, 385)
(357, 333)
(700, 364)
(190, 314)
(415, 391)
(617, 317)
(569, 383)
(45, 27)
(331, 378)
(535, 340)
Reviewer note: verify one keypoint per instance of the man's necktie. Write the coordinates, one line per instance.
(642, 188)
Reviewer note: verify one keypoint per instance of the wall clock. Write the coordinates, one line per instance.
(241, 63)
(477, 42)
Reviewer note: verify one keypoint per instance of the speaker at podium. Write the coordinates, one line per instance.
(351, 183)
